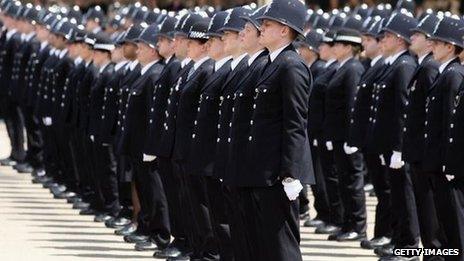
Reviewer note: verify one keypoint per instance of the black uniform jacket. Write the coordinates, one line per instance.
(278, 142)
(203, 143)
(187, 109)
(339, 100)
(158, 104)
(439, 106)
(413, 131)
(359, 117)
(386, 120)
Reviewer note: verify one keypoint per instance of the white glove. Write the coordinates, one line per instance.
(92, 138)
(449, 177)
(148, 158)
(47, 121)
(395, 161)
(292, 189)
(382, 160)
(329, 145)
(349, 150)
(315, 143)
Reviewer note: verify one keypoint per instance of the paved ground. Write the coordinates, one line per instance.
(34, 226)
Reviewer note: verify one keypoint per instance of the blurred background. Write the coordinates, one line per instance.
(455, 6)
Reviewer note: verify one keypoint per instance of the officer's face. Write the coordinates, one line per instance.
(117, 54)
(165, 47)
(271, 33)
(231, 42)
(180, 45)
(250, 37)
(325, 51)
(342, 51)
(370, 46)
(418, 43)
(216, 48)
(390, 43)
(195, 49)
(442, 51)
(42, 33)
(130, 51)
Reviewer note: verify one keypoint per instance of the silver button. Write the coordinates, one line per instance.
(193, 136)
(451, 140)
(250, 138)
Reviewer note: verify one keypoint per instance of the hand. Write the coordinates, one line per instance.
(349, 150)
(395, 161)
(315, 143)
(47, 121)
(449, 177)
(382, 160)
(292, 189)
(148, 158)
(92, 138)
(329, 145)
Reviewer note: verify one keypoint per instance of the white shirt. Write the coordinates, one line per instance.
(103, 67)
(146, 67)
(29, 36)
(393, 58)
(168, 59)
(275, 53)
(344, 61)
(237, 60)
(133, 64)
(443, 65)
(119, 65)
(43, 45)
(254, 56)
(10, 33)
(185, 62)
(78, 60)
(200, 62)
(421, 59)
(329, 62)
(375, 60)
(63, 53)
(221, 62)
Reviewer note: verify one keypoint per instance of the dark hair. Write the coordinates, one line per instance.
(457, 50)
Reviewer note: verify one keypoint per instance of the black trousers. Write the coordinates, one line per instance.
(14, 125)
(153, 219)
(51, 159)
(331, 180)
(124, 186)
(449, 202)
(195, 206)
(272, 222)
(321, 197)
(219, 217)
(82, 164)
(431, 234)
(351, 186)
(66, 164)
(107, 179)
(171, 183)
(381, 182)
(404, 213)
(34, 154)
(241, 237)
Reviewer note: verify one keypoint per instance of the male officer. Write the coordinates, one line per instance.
(413, 132)
(357, 132)
(203, 141)
(153, 224)
(278, 141)
(386, 124)
(440, 107)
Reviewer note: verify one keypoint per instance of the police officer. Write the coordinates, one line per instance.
(440, 108)
(413, 132)
(386, 124)
(278, 139)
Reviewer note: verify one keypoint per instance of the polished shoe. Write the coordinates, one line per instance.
(334, 236)
(136, 238)
(87, 212)
(385, 251)
(375, 242)
(102, 218)
(57, 190)
(65, 195)
(327, 229)
(81, 205)
(41, 180)
(182, 257)
(169, 252)
(351, 236)
(73, 200)
(399, 258)
(368, 187)
(8, 162)
(24, 168)
(127, 230)
(117, 222)
(49, 184)
(38, 172)
(313, 223)
(146, 246)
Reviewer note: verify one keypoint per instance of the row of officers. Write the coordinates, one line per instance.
(195, 136)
